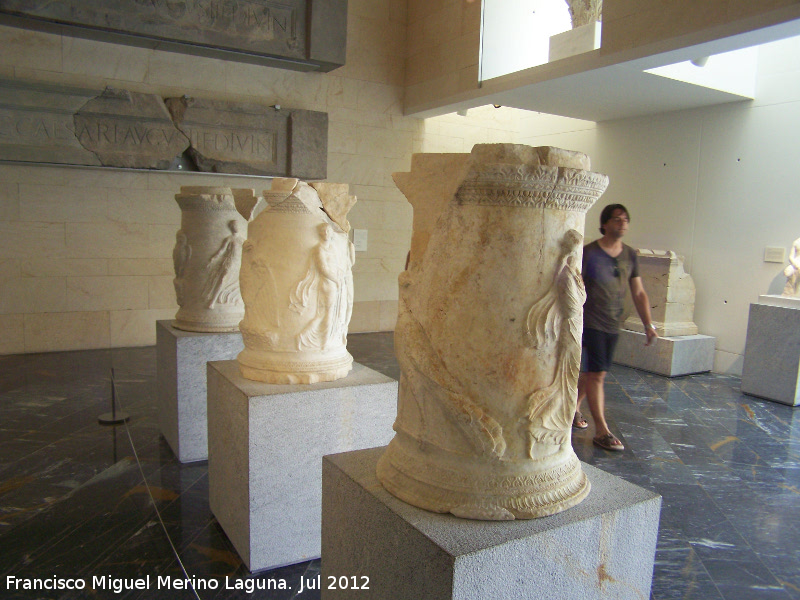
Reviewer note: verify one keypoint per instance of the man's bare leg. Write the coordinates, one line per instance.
(595, 394)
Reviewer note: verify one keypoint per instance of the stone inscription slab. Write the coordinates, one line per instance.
(253, 139)
(128, 129)
(37, 125)
(251, 28)
(118, 128)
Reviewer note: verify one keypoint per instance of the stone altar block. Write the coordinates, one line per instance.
(671, 292)
(772, 354)
(668, 356)
(266, 442)
(602, 548)
(181, 377)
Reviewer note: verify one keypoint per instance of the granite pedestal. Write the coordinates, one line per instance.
(669, 356)
(181, 378)
(266, 443)
(602, 548)
(772, 354)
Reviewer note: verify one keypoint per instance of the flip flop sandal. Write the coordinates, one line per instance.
(578, 422)
(608, 442)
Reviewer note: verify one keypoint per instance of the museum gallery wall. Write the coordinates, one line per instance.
(86, 253)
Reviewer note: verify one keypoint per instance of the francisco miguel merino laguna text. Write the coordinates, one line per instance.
(121, 584)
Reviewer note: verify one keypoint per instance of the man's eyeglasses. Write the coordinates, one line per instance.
(616, 267)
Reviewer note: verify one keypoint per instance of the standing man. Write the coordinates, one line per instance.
(609, 267)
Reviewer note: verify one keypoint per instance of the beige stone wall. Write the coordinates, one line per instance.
(85, 253)
(443, 49)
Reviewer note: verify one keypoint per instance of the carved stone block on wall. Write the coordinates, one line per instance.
(50, 123)
(127, 129)
(231, 137)
(36, 123)
(301, 35)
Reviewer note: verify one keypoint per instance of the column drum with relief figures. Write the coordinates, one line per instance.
(207, 257)
(297, 284)
(489, 333)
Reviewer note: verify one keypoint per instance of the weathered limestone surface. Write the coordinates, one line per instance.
(121, 128)
(671, 292)
(297, 285)
(207, 257)
(36, 123)
(254, 139)
(488, 333)
(584, 12)
(309, 34)
(130, 130)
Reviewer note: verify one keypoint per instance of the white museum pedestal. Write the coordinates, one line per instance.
(265, 444)
(602, 548)
(181, 379)
(772, 350)
(669, 356)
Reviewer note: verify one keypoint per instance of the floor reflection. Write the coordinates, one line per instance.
(81, 500)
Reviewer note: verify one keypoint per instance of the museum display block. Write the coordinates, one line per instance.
(181, 358)
(266, 443)
(671, 292)
(771, 367)
(297, 284)
(667, 356)
(488, 334)
(207, 257)
(604, 548)
(679, 349)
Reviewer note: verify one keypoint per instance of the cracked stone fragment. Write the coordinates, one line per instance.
(253, 139)
(129, 129)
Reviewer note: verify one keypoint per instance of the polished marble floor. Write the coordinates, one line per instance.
(80, 500)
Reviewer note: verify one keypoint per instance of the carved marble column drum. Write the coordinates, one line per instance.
(489, 333)
(207, 256)
(297, 285)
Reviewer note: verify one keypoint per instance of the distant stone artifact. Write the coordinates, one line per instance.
(297, 284)
(671, 291)
(488, 333)
(207, 256)
(584, 12)
(792, 271)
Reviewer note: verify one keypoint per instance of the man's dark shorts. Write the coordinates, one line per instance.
(598, 350)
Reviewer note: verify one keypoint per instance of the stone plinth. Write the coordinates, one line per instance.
(668, 356)
(671, 292)
(602, 548)
(776, 300)
(575, 41)
(181, 375)
(772, 354)
(266, 442)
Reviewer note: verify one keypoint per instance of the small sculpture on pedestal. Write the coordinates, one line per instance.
(488, 333)
(296, 282)
(792, 271)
